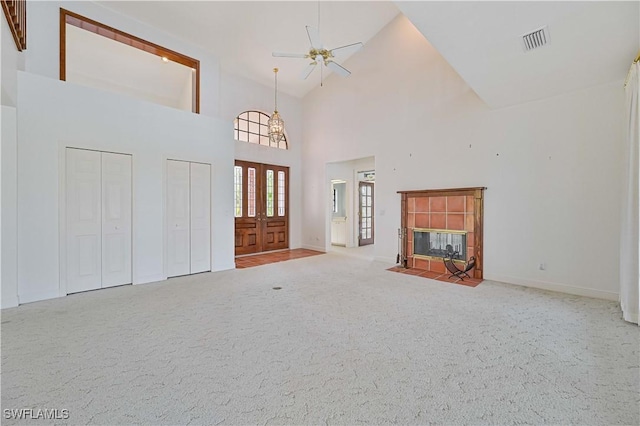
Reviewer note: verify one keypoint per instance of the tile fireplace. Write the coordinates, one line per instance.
(438, 223)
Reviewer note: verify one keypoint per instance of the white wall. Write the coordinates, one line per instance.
(238, 94)
(11, 62)
(115, 87)
(552, 167)
(8, 220)
(42, 55)
(77, 116)
(186, 100)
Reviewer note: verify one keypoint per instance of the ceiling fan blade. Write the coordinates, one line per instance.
(289, 55)
(308, 70)
(338, 69)
(314, 37)
(347, 49)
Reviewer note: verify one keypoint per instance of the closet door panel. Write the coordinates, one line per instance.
(116, 219)
(83, 193)
(200, 208)
(178, 218)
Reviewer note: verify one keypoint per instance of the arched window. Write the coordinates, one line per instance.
(251, 126)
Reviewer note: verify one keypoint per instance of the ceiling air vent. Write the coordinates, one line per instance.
(535, 39)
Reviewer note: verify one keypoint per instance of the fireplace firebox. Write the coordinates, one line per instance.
(440, 243)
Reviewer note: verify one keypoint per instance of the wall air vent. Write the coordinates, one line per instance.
(535, 39)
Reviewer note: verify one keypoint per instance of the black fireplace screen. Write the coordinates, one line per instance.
(440, 244)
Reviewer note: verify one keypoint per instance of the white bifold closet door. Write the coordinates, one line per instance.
(98, 190)
(188, 218)
(116, 219)
(200, 204)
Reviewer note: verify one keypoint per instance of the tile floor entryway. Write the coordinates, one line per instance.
(469, 282)
(273, 257)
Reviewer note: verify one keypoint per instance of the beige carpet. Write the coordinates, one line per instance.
(343, 342)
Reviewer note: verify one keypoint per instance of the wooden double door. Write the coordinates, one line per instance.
(261, 207)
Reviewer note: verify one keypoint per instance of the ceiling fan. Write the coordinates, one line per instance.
(319, 55)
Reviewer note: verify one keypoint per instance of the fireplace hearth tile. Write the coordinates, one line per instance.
(412, 271)
(421, 264)
(431, 274)
(470, 282)
(442, 277)
(437, 267)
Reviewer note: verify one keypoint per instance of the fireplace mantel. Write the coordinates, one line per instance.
(454, 209)
(444, 192)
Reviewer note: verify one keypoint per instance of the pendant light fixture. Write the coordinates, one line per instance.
(276, 123)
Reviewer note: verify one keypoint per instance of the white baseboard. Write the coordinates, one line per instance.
(9, 302)
(149, 279)
(224, 267)
(36, 297)
(630, 317)
(316, 248)
(391, 260)
(562, 288)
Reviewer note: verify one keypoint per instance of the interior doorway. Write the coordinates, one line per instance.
(261, 207)
(350, 214)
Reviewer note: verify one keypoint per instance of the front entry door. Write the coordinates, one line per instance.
(261, 207)
(365, 235)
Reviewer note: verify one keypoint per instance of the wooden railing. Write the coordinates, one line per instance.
(16, 13)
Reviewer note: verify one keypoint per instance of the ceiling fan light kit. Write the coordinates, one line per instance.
(319, 55)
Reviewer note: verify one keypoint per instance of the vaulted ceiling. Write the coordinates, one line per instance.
(243, 34)
(590, 42)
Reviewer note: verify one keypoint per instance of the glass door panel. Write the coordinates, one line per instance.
(366, 213)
